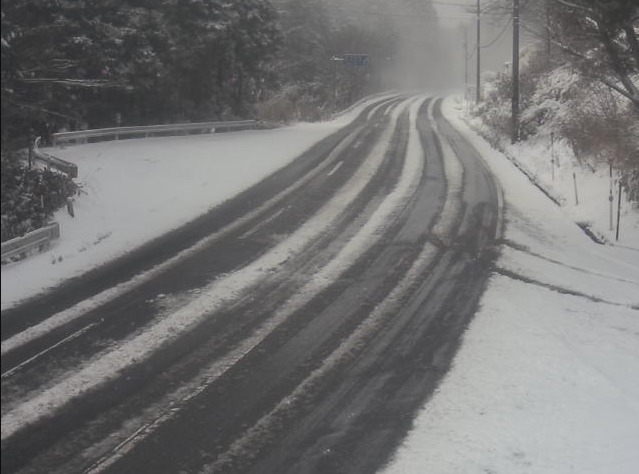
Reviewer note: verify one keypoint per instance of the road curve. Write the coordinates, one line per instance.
(299, 327)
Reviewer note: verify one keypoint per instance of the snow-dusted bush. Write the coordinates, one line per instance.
(630, 177)
(600, 126)
(30, 196)
(553, 89)
(597, 124)
(497, 106)
(495, 109)
(305, 102)
(602, 129)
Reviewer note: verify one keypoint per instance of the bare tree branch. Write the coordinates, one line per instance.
(43, 110)
(631, 35)
(82, 83)
(574, 5)
(634, 99)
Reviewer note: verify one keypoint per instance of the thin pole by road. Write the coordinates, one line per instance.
(515, 73)
(478, 78)
(618, 210)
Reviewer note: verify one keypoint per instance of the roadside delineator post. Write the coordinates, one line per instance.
(610, 195)
(552, 154)
(32, 146)
(618, 211)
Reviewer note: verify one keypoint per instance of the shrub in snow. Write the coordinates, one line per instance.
(30, 196)
(307, 102)
(599, 125)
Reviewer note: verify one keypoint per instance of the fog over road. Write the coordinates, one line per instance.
(298, 327)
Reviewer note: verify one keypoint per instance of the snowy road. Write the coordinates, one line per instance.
(298, 327)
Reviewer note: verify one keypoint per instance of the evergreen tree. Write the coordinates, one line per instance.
(78, 62)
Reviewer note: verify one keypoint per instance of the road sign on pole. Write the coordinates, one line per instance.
(356, 59)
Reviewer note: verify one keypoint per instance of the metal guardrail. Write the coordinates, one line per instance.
(39, 239)
(70, 169)
(148, 130)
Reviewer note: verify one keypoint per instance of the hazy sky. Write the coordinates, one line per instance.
(453, 12)
(496, 35)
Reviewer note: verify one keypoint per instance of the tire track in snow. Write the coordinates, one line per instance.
(139, 348)
(256, 436)
(79, 310)
(368, 235)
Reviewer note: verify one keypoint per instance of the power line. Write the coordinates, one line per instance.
(465, 5)
(498, 37)
(461, 16)
(515, 109)
(478, 49)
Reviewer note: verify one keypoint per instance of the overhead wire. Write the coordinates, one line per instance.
(461, 16)
(453, 4)
(499, 35)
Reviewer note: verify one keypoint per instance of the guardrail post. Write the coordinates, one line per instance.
(70, 209)
(118, 121)
(31, 147)
(38, 239)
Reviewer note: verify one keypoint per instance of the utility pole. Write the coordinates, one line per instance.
(515, 73)
(548, 39)
(478, 82)
(465, 64)
(334, 60)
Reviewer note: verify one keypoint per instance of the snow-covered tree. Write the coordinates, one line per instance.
(611, 28)
(69, 62)
(599, 36)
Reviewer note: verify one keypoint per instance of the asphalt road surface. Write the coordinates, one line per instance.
(297, 328)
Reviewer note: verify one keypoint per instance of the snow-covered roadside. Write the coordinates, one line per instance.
(547, 377)
(136, 190)
(582, 191)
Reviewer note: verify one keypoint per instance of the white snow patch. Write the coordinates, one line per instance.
(543, 383)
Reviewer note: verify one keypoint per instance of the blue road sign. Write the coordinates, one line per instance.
(356, 59)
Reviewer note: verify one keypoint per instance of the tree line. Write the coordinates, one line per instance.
(69, 64)
(74, 64)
